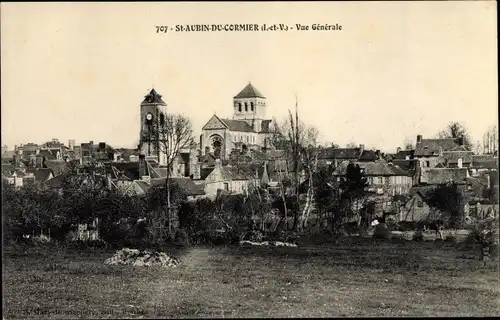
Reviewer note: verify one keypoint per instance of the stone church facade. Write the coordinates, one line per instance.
(247, 130)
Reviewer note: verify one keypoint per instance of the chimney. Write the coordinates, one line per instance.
(377, 153)
(419, 138)
(461, 140)
(398, 150)
(460, 162)
(102, 146)
(91, 147)
(361, 149)
(201, 142)
(71, 145)
(142, 166)
(488, 183)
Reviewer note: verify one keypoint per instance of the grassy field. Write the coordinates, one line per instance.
(356, 277)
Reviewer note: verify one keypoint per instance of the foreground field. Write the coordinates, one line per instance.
(353, 278)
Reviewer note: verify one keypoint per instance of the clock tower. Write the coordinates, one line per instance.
(153, 112)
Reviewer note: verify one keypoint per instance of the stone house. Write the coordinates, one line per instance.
(229, 179)
(431, 152)
(382, 177)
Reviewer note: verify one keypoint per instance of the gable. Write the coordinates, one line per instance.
(214, 123)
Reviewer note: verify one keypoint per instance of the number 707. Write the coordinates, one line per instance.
(161, 29)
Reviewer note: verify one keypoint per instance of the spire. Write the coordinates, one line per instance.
(153, 98)
(249, 92)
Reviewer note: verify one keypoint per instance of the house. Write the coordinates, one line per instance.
(42, 175)
(14, 177)
(431, 152)
(335, 156)
(436, 176)
(229, 179)
(382, 177)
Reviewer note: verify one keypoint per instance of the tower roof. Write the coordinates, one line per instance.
(153, 97)
(249, 92)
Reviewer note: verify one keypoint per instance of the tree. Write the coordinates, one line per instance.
(351, 145)
(449, 199)
(456, 130)
(299, 143)
(408, 144)
(490, 140)
(172, 133)
(353, 187)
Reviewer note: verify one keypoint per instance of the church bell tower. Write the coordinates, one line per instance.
(153, 113)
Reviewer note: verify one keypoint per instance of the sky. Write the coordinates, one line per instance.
(396, 69)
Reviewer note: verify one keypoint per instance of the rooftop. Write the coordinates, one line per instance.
(249, 92)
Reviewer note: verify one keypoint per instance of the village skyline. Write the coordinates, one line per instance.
(379, 81)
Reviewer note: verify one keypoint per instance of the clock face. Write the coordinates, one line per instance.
(149, 116)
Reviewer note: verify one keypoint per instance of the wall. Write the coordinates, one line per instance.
(433, 161)
(391, 185)
(260, 108)
(411, 211)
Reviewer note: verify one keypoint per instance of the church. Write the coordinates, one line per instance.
(248, 129)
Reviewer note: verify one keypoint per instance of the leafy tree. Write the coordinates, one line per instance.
(352, 188)
(449, 199)
(457, 130)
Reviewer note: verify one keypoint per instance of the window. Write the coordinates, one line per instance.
(162, 119)
(251, 106)
(427, 164)
(246, 106)
(226, 186)
(420, 203)
(239, 106)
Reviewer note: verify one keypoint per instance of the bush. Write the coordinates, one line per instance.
(381, 232)
(418, 236)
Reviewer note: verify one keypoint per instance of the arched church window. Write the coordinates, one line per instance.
(246, 106)
(239, 106)
(251, 106)
(162, 119)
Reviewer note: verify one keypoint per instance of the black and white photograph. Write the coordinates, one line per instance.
(167, 160)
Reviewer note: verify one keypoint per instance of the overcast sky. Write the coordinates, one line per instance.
(80, 71)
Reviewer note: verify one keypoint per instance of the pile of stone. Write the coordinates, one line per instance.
(268, 243)
(139, 258)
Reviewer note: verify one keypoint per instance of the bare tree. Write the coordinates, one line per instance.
(490, 140)
(171, 134)
(300, 145)
(456, 130)
(408, 144)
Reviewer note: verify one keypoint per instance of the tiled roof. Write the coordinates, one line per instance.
(429, 147)
(233, 173)
(238, 125)
(406, 165)
(48, 154)
(8, 154)
(484, 162)
(42, 174)
(57, 181)
(7, 169)
(402, 154)
(128, 169)
(339, 153)
(153, 97)
(204, 172)
(57, 166)
(368, 155)
(185, 184)
(453, 156)
(375, 168)
(444, 175)
(249, 92)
